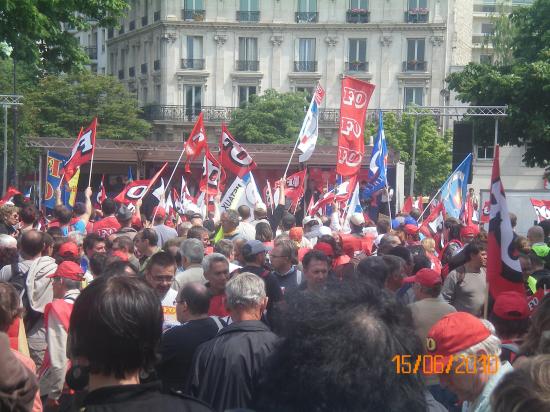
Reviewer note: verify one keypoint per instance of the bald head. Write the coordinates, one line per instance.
(388, 242)
(196, 296)
(535, 234)
(32, 243)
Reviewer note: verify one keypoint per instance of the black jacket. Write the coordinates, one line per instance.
(226, 369)
(140, 398)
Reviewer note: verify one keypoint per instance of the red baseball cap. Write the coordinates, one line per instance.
(159, 211)
(68, 249)
(68, 270)
(325, 248)
(426, 277)
(470, 230)
(411, 229)
(121, 255)
(511, 305)
(454, 333)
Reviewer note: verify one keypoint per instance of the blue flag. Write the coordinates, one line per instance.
(130, 176)
(453, 191)
(378, 162)
(55, 162)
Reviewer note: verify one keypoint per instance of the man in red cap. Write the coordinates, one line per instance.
(164, 232)
(411, 233)
(467, 358)
(67, 280)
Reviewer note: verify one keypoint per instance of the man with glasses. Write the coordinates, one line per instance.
(145, 243)
(283, 258)
(159, 274)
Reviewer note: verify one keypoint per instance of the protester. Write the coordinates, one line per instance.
(67, 281)
(178, 344)
(8, 250)
(465, 287)
(216, 271)
(230, 220)
(316, 266)
(28, 216)
(537, 339)
(124, 216)
(263, 233)
(9, 219)
(109, 223)
(164, 232)
(373, 269)
(283, 259)
(535, 234)
(125, 245)
(226, 369)
(192, 253)
(461, 338)
(225, 247)
(145, 243)
(10, 310)
(159, 274)
(394, 281)
(200, 233)
(115, 327)
(246, 228)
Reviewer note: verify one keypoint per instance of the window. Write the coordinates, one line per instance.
(487, 28)
(307, 6)
(248, 11)
(486, 59)
(248, 54)
(485, 152)
(359, 4)
(307, 90)
(357, 51)
(144, 92)
(194, 5)
(414, 95)
(305, 56)
(415, 50)
(157, 93)
(418, 4)
(249, 5)
(193, 100)
(194, 47)
(244, 94)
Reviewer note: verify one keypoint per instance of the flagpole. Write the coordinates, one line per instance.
(169, 180)
(421, 217)
(91, 167)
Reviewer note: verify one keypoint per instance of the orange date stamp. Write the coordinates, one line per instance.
(439, 364)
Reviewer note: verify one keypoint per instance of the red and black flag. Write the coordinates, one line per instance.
(503, 266)
(196, 142)
(136, 189)
(233, 156)
(82, 152)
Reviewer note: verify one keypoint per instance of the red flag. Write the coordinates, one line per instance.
(407, 205)
(212, 175)
(136, 189)
(542, 209)
(196, 142)
(268, 195)
(351, 141)
(295, 186)
(340, 193)
(10, 193)
(232, 155)
(485, 212)
(82, 152)
(468, 211)
(503, 266)
(101, 195)
(435, 219)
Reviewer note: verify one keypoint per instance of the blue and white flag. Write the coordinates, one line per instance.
(310, 128)
(378, 162)
(453, 191)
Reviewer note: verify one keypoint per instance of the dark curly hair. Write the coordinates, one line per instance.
(337, 355)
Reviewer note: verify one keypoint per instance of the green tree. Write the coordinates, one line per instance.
(60, 104)
(522, 84)
(270, 118)
(502, 39)
(34, 29)
(433, 152)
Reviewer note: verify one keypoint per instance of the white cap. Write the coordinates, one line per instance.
(357, 219)
(309, 219)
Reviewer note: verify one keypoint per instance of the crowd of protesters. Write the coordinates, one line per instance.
(109, 310)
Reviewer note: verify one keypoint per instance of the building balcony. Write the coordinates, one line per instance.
(144, 21)
(414, 66)
(121, 74)
(305, 66)
(485, 8)
(417, 16)
(482, 39)
(357, 16)
(91, 52)
(132, 25)
(194, 15)
(247, 65)
(131, 71)
(248, 16)
(357, 66)
(156, 65)
(156, 16)
(307, 17)
(192, 64)
(144, 68)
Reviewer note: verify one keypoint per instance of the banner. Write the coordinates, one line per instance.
(294, 188)
(503, 266)
(340, 193)
(307, 139)
(54, 164)
(101, 195)
(243, 191)
(232, 155)
(542, 209)
(212, 174)
(351, 141)
(196, 142)
(378, 162)
(82, 152)
(485, 212)
(453, 191)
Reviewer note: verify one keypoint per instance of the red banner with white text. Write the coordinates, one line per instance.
(542, 209)
(355, 99)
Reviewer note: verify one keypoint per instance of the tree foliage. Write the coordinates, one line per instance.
(60, 104)
(523, 84)
(433, 152)
(270, 118)
(34, 29)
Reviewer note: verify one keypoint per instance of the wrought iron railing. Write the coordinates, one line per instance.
(91, 52)
(305, 66)
(357, 66)
(196, 15)
(414, 66)
(248, 16)
(417, 16)
(357, 16)
(307, 17)
(247, 65)
(194, 64)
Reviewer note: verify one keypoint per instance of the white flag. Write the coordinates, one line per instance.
(159, 191)
(310, 128)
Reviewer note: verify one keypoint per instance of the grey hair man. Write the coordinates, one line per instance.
(240, 350)
(192, 254)
(230, 220)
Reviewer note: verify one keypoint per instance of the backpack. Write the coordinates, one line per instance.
(19, 281)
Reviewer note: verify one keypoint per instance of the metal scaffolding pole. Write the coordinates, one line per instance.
(7, 101)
